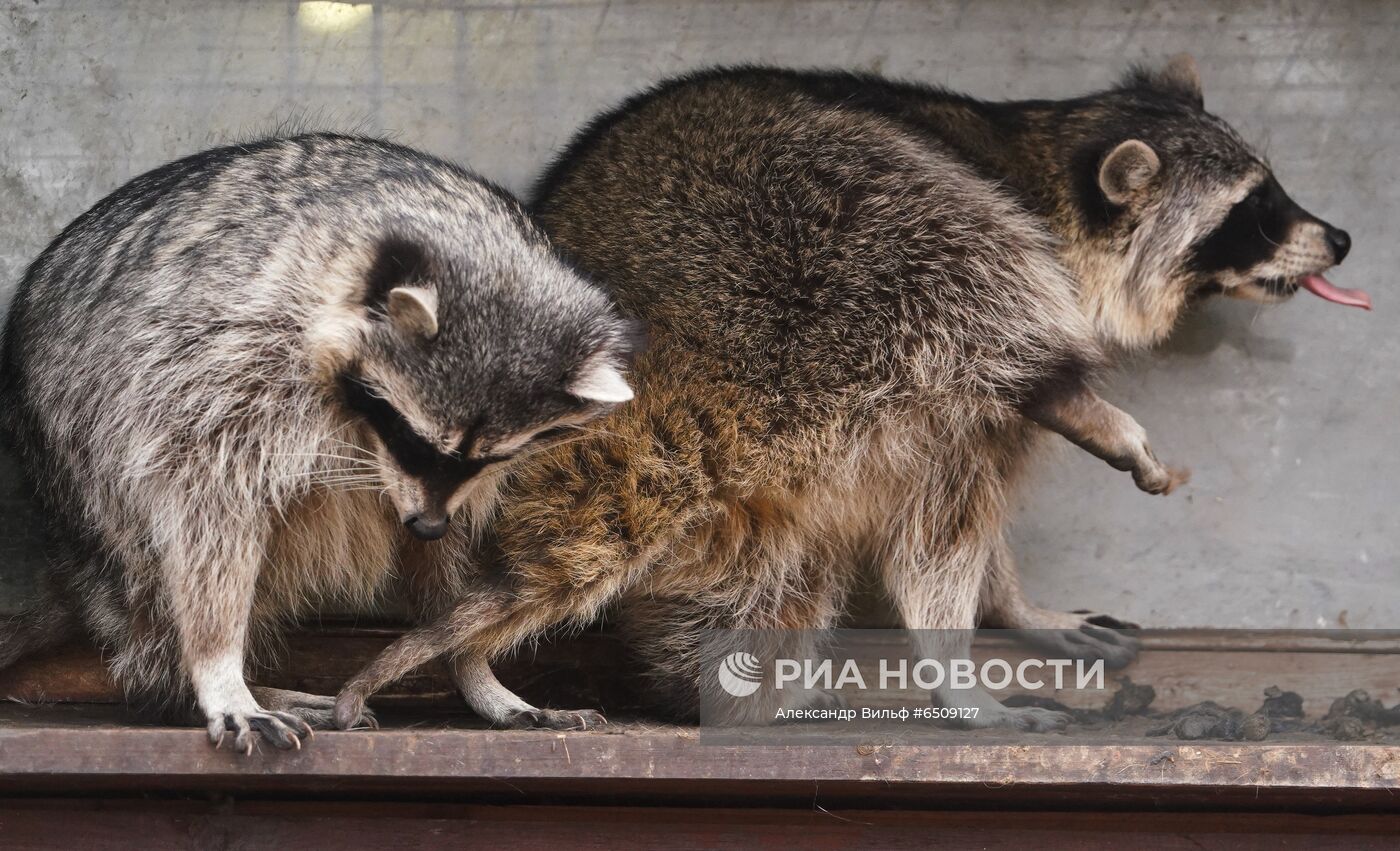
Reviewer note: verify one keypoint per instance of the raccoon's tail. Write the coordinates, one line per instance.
(38, 627)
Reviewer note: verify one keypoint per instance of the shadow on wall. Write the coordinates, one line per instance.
(21, 537)
(1215, 324)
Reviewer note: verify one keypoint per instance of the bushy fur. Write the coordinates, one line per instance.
(175, 373)
(862, 296)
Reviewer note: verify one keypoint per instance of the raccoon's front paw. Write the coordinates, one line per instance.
(554, 719)
(283, 729)
(1161, 480)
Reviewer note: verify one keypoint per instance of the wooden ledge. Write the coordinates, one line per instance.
(92, 750)
(77, 742)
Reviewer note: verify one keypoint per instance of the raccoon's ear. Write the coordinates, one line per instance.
(1127, 171)
(599, 380)
(413, 311)
(1181, 75)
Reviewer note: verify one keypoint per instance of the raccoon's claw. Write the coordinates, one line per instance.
(554, 719)
(283, 729)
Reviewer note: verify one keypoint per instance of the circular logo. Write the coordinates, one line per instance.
(740, 674)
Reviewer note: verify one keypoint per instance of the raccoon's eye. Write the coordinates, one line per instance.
(1262, 198)
(363, 400)
(412, 451)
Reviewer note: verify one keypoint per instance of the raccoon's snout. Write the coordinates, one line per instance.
(1340, 241)
(426, 528)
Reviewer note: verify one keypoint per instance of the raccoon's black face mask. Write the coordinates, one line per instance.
(1267, 248)
(1184, 209)
(437, 472)
(454, 382)
(429, 474)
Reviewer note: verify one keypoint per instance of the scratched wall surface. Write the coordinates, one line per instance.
(1287, 415)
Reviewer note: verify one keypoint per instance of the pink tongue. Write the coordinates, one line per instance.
(1323, 288)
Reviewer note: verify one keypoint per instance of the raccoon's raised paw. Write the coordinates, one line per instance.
(1162, 480)
(554, 719)
(283, 729)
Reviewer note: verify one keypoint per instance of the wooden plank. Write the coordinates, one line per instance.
(90, 748)
(159, 826)
(53, 748)
(72, 674)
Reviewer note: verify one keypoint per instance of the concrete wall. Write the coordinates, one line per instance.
(1287, 415)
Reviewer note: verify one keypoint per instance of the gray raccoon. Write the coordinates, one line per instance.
(866, 300)
(266, 376)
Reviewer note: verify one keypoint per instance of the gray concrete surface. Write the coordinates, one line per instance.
(1287, 415)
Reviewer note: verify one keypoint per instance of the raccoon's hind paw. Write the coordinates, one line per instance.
(554, 719)
(1085, 635)
(1097, 637)
(283, 729)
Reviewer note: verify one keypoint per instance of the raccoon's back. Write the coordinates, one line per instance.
(64, 286)
(162, 333)
(807, 251)
(148, 297)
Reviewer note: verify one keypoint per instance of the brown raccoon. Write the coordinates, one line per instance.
(867, 300)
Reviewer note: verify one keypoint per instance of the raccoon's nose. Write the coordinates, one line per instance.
(1340, 241)
(425, 528)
